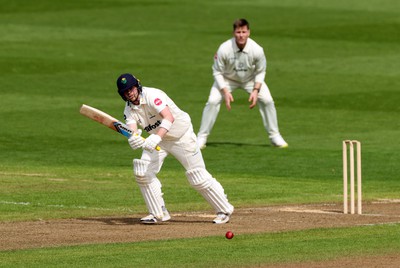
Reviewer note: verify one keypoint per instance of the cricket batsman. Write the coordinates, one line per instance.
(170, 128)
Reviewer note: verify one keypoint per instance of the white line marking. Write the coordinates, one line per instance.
(380, 223)
(386, 201)
(15, 203)
(306, 210)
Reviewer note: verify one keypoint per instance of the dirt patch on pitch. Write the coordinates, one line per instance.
(55, 233)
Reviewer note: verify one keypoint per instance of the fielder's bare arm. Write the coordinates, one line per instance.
(170, 128)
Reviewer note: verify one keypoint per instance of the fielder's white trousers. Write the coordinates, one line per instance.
(265, 104)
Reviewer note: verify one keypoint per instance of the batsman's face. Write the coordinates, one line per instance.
(133, 95)
(241, 35)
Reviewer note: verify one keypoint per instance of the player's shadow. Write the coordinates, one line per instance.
(114, 220)
(136, 221)
(236, 144)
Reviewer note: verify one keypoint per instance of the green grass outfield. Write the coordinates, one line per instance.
(333, 70)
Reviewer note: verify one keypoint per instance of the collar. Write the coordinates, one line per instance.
(244, 50)
(137, 107)
(238, 50)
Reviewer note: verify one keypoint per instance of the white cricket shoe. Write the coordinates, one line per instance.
(201, 142)
(151, 219)
(221, 218)
(279, 142)
(166, 216)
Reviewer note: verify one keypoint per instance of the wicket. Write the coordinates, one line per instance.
(351, 144)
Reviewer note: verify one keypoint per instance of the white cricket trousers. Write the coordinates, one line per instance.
(187, 152)
(265, 104)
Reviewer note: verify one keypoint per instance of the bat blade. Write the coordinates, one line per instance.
(107, 120)
(99, 116)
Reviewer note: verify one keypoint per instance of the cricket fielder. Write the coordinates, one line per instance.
(171, 129)
(240, 63)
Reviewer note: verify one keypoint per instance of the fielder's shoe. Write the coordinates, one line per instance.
(201, 141)
(151, 219)
(279, 142)
(221, 218)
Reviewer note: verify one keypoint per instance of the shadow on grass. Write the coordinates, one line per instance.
(237, 144)
(136, 221)
(114, 220)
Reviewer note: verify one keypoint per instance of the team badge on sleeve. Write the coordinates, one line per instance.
(157, 102)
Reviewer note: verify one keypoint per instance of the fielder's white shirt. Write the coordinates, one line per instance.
(231, 63)
(147, 113)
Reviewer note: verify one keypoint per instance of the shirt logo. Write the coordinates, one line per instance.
(150, 127)
(157, 102)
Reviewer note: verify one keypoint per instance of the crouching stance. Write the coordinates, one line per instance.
(171, 132)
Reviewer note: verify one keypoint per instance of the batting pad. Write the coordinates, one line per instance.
(210, 189)
(150, 187)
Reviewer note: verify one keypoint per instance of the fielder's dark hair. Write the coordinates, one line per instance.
(240, 23)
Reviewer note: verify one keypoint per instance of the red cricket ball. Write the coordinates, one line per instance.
(229, 235)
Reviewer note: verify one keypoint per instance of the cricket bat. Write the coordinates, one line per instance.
(107, 120)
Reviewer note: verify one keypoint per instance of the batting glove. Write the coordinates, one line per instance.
(136, 141)
(151, 142)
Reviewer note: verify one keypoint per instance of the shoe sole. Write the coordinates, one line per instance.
(282, 146)
(148, 222)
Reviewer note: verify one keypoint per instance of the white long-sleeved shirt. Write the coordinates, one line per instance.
(147, 113)
(231, 63)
